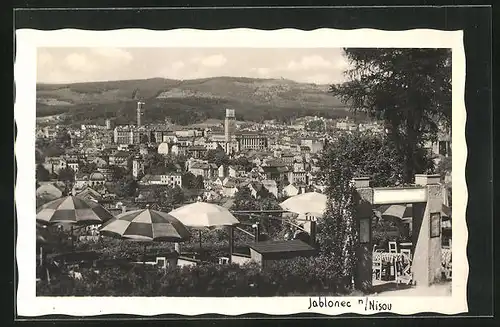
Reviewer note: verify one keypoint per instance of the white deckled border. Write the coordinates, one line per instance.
(27, 42)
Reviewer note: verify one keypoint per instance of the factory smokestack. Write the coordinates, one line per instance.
(139, 112)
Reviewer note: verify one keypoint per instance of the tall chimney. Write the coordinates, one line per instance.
(139, 112)
(312, 235)
(256, 227)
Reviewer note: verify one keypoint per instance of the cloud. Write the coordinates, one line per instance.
(98, 59)
(117, 55)
(262, 72)
(213, 61)
(309, 62)
(178, 65)
(79, 62)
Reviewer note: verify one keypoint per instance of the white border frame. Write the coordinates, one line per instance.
(27, 42)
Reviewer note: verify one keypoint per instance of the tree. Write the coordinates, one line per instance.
(348, 156)
(144, 138)
(42, 174)
(188, 180)
(126, 187)
(410, 89)
(242, 162)
(263, 194)
(63, 138)
(444, 167)
(198, 183)
(366, 154)
(87, 168)
(118, 173)
(154, 163)
(315, 125)
(66, 175)
(176, 195)
(243, 200)
(217, 156)
(39, 156)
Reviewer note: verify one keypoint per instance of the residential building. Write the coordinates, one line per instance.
(170, 179)
(100, 162)
(137, 167)
(185, 141)
(178, 149)
(89, 194)
(96, 179)
(276, 173)
(74, 165)
(203, 169)
(230, 187)
(119, 159)
(125, 135)
(54, 164)
(236, 171)
(196, 151)
(315, 145)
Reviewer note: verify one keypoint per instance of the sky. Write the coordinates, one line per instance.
(70, 65)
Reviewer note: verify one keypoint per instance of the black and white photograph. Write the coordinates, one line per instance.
(241, 165)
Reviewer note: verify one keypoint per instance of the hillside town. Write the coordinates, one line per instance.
(221, 158)
(162, 167)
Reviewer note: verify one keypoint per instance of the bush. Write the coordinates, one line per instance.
(304, 276)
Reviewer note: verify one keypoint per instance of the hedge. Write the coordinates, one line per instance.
(301, 276)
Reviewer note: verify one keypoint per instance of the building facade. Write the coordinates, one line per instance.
(252, 141)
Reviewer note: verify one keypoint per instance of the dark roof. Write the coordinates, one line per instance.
(275, 163)
(121, 154)
(274, 169)
(196, 148)
(200, 165)
(281, 246)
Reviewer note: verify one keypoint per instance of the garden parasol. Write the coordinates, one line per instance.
(307, 204)
(398, 211)
(146, 225)
(72, 210)
(204, 215)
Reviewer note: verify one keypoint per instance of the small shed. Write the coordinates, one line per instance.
(266, 252)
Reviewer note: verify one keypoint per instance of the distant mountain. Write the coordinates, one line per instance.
(186, 101)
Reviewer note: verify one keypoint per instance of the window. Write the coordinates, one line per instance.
(443, 148)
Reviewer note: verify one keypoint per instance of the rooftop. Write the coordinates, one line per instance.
(281, 246)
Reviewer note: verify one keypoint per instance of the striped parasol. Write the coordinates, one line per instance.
(72, 210)
(404, 212)
(146, 225)
(399, 211)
